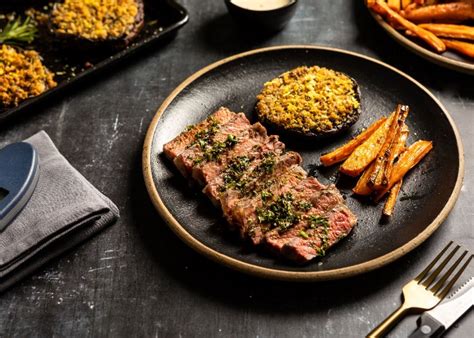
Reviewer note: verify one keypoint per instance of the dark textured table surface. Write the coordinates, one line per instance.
(136, 278)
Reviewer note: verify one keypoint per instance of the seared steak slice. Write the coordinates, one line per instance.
(186, 138)
(323, 222)
(251, 144)
(314, 242)
(210, 143)
(240, 168)
(242, 212)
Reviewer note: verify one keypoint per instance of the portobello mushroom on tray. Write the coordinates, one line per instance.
(97, 23)
(22, 75)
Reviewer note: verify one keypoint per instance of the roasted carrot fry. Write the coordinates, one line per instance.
(450, 31)
(364, 154)
(394, 4)
(432, 40)
(405, 3)
(450, 12)
(461, 47)
(362, 187)
(343, 152)
(392, 199)
(378, 179)
(407, 160)
(375, 180)
(397, 147)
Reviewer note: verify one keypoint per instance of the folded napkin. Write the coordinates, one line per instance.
(64, 210)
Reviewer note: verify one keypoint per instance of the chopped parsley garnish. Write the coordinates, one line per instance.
(321, 224)
(304, 205)
(213, 149)
(304, 234)
(233, 174)
(280, 214)
(317, 221)
(268, 164)
(266, 195)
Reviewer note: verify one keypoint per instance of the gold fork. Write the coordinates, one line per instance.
(419, 296)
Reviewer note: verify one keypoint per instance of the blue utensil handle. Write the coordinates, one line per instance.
(18, 177)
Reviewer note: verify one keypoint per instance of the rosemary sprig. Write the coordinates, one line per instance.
(16, 31)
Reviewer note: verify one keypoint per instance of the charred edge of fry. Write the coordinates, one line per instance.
(392, 199)
(389, 161)
(343, 152)
(376, 179)
(398, 149)
(410, 158)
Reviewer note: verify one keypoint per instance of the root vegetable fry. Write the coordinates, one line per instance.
(378, 179)
(343, 152)
(367, 151)
(450, 12)
(394, 4)
(392, 199)
(397, 148)
(461, 47)
(407, 160)
(432, 40)
(405, 3)
(362, 187)
(449, 30)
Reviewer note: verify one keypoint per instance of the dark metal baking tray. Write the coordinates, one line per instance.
(162, 18)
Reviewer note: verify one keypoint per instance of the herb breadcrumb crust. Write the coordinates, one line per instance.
(22, 75)
(97, 20)
(310, 100)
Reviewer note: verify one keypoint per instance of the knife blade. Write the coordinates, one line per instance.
(434, 322)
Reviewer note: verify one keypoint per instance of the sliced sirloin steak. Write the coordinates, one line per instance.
(243, 212)
(249, 143)
(323, 221)
(209, 144)
(293, 215)
(184, 140)
(241, 169)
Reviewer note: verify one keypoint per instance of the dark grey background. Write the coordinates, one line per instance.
(136, 278)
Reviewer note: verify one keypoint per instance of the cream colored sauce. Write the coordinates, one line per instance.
(261, 5)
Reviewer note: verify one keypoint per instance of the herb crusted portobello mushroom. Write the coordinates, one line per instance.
(105, 24)
(309, 102)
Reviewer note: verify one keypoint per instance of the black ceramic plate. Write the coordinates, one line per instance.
(448, 59)
(162, 17)
(429, 191)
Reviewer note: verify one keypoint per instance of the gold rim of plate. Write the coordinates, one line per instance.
(439, 59)
(301, 276)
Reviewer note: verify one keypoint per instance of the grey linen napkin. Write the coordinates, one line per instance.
(64, 210)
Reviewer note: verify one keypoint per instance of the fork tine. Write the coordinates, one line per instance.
(428, 268)
(454, 279)
(448, 273)
(437, 271)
